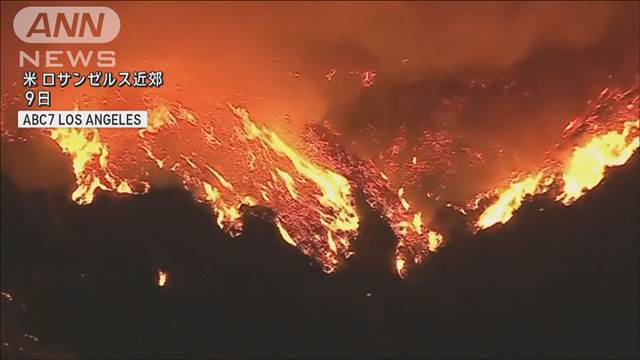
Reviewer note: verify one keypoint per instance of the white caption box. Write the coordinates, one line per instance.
(82, 119)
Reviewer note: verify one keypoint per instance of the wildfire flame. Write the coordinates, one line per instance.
(335, 189)
(231, 163)
(509, 200)
(83, 145)
(315, 207)
(588, 163)
(606, 144)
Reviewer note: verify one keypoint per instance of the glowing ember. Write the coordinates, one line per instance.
(163, 276)
(368, 77)
(331, 74)
(400, 268)
(435, 240)
(6, 296)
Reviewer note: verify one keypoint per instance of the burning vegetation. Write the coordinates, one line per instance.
(442, 78)
(233, 163)
(605, 137)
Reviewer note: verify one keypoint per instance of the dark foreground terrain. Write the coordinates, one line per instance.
(81, 282)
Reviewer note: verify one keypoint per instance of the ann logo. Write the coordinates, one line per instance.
(66, 24)
(41, 25)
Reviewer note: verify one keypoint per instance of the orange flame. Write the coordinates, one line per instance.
(582, 171)
(588, 163)
(84, 147)
(509, 200)
(319, 215)
(311, 196)
(336, 197)
(163, 276)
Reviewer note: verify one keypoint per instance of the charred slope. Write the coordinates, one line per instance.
(83, 280)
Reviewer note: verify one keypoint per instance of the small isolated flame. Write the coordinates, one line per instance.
(434, 241)
(163, 276)
(400, 267)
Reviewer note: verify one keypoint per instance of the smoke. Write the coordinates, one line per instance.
(444, 38)
(500, 79)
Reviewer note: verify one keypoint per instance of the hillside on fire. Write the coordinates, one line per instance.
(320, 180)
